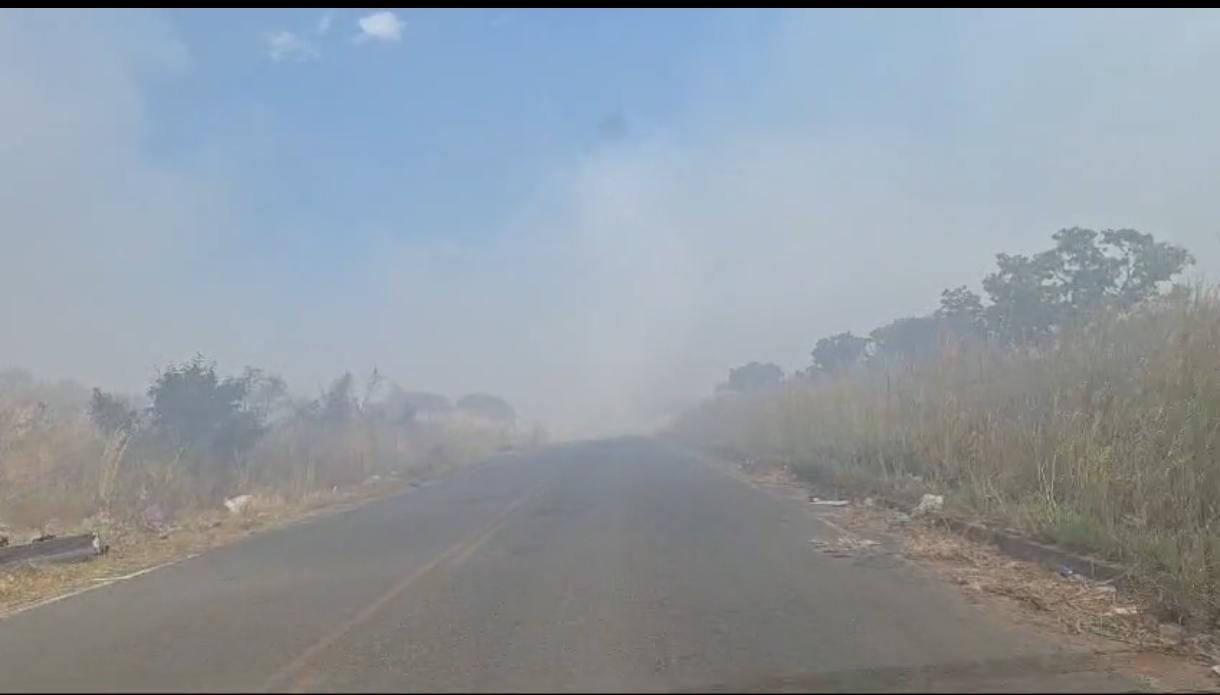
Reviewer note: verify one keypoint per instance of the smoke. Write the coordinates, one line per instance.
(96, 236)
(834, 177)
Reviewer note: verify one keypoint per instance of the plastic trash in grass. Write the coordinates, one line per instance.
(929, 504)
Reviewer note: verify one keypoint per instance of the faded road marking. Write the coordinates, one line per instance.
(99, 583)
(835, 526)
(146, 570)
(295, 675)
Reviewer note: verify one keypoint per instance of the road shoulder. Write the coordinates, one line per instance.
(1070, 611)
(134, 552)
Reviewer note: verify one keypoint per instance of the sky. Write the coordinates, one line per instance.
(594, 214)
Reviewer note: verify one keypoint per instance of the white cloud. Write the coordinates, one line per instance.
(325, 22)
(285, 45)
(381, 26)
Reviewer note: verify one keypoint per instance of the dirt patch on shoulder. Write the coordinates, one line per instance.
(1113, 623)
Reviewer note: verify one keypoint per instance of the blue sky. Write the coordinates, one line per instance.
(400, 136)
(479, 104)
(404, 134)
(592, 213)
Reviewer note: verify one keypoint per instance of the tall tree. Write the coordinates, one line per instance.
(907, 339)
(1083, 276)
(1085, 271)
(1143, 264)
(961, 312)
(839, 351)
(1024, 306)
(752, 378)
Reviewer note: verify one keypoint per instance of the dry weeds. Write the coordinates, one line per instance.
(133, 549)
(1120, 625)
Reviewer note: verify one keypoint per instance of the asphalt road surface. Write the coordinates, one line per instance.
(620, 565)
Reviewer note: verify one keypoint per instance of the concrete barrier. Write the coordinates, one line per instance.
(1049, 555)
(66, 549)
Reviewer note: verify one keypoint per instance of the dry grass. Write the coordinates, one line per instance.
(59, 474)
(1073, 605)
(1106, 442)
(1080, 606)
(1119, 626)
(133, 548)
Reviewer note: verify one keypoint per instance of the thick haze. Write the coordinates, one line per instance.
(816, 172)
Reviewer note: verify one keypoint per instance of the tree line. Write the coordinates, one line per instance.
(205, 424)
(1029, 300)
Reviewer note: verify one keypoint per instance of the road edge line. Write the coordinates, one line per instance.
(101, 582)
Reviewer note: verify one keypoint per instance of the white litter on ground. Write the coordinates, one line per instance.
(929, 504)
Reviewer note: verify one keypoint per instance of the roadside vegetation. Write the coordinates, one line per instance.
(72, 457)
(1079, 403)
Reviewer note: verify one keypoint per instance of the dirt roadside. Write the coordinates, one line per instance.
(134, 549)
(1113, 624)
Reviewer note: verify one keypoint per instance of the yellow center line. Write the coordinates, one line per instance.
(294, 673)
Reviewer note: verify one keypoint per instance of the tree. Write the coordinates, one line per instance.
(1031, 297)
(961, 313)
(1023, 303)
(1082, 274)
(1143, 264)
(195, 410)
(110, 415)
(908, 339)
(267, 394)
(487, 406)
(337, 404)
(754, 377)
(839, 352)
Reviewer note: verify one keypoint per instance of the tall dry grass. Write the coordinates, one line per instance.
(1107, 442)
(300, 456)
(58, 471)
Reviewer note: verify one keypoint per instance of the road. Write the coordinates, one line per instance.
(620, 565)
